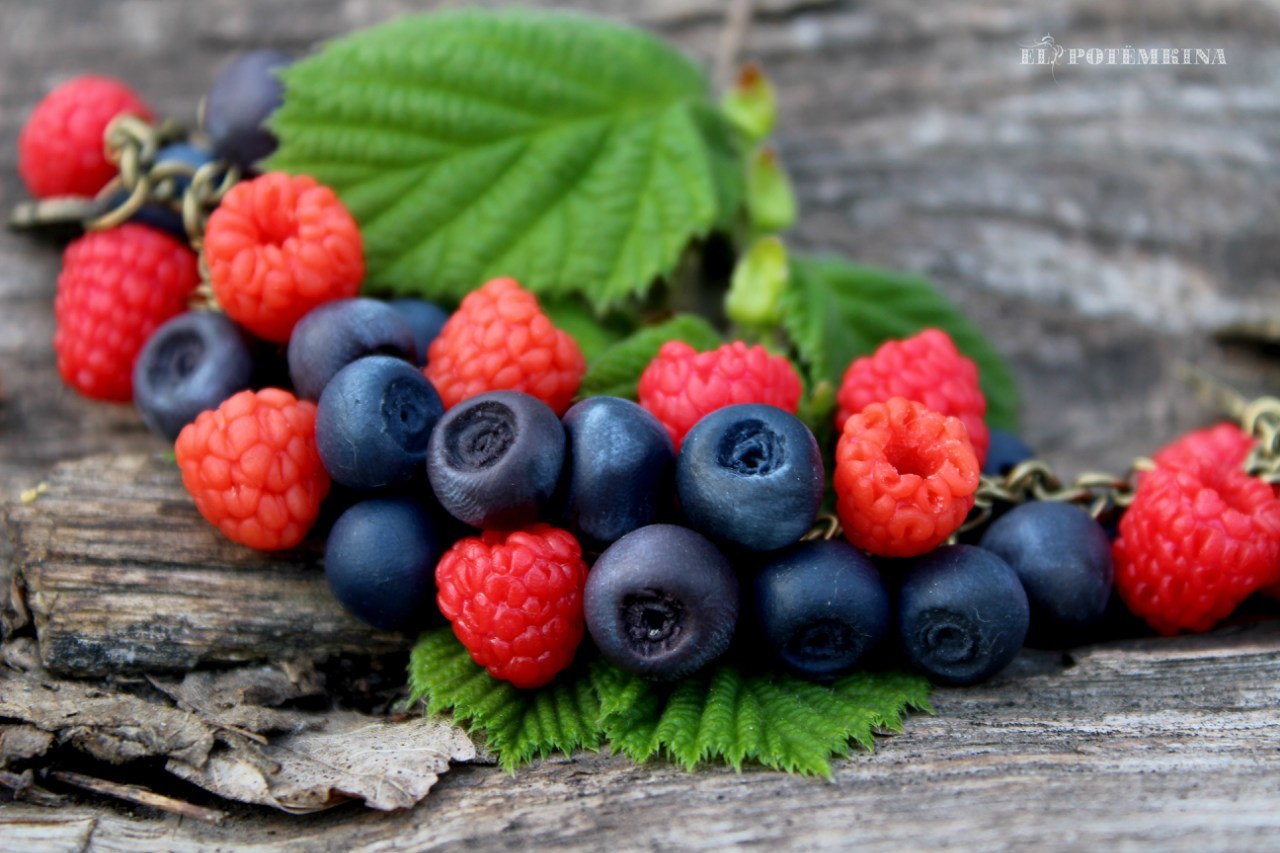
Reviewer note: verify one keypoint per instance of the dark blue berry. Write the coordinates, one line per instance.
(750, 475)
(245, 93)
(425, 318)
(661, 602)
(821, 606)
(373, 422)
(962, 614)
(618, 468)
(191, 363)
(1004, 452)
(336, 333)
(380, 561)
(494, 459)
(1063, 558)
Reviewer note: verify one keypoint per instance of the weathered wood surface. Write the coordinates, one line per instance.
(121, 574)
(1163, 745)
(1099, 225)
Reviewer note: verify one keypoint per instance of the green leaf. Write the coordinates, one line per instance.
(616, 371)
(518, 725)
(593, 334)
(836, 311)
(773, 719)
(720, 715)
(575, 155)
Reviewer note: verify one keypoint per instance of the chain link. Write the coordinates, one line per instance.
(134, 146)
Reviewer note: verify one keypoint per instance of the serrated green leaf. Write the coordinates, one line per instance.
(593, 334)
(517, 724)
(774, 719)
(576, 155)
(836, 311)
(616, 371)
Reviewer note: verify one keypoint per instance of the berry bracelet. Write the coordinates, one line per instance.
(659, 501)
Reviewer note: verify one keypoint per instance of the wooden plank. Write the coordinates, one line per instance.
(1167, 744)
(121, 573)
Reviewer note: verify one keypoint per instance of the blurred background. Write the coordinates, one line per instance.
(1103, 223)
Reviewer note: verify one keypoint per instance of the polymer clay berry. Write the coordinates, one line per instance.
(681, 385)
(243, 96)
(373, 423)
(1223, 445)
(494, 460)
(190, 364)
(1063, 559)
(252, 468)
(662, 602)
(618, 468)
(499, 340)
(514, 600)
(115, 288)
(61, 149)
(334, 334)
(926, 368)
(905, 478)
(750, 475)
(962, 614)
(380, 561)
(276, 247)
(1196, 541)
(821, 608)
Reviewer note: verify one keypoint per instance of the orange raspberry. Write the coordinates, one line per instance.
(905, 478)
(278, 246)
(925, 367)
(253, 469)
(499, 340)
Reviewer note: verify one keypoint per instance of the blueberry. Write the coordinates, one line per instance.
(380, 561)
(494, 459)
(245, 93)
(425, 319)
(962, 614)
(750, 475)
(821, 606)
(617, 470)
(662, 602)
(1005, 451)
(1063, 558)
(336, 333)
(191, 363)
(373, 422)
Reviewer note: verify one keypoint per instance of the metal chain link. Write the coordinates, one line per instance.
(134, 145)
(1102, 494)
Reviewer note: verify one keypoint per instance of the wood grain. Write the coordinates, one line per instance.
(121, 574)
(1169, 745)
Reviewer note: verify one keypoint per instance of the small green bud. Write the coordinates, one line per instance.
(770, 200)
(755, 292)
(750, 105)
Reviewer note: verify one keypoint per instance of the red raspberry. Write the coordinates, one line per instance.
(499, 340)
(1195, 543)
(278, 246)
(60, 148)
(253, 469)
(515, 600)
(926, 368)
(681, 385)
(905, 478)
(115, 288)
(1222, 446)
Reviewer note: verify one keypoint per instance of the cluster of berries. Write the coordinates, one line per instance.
(475, 484)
